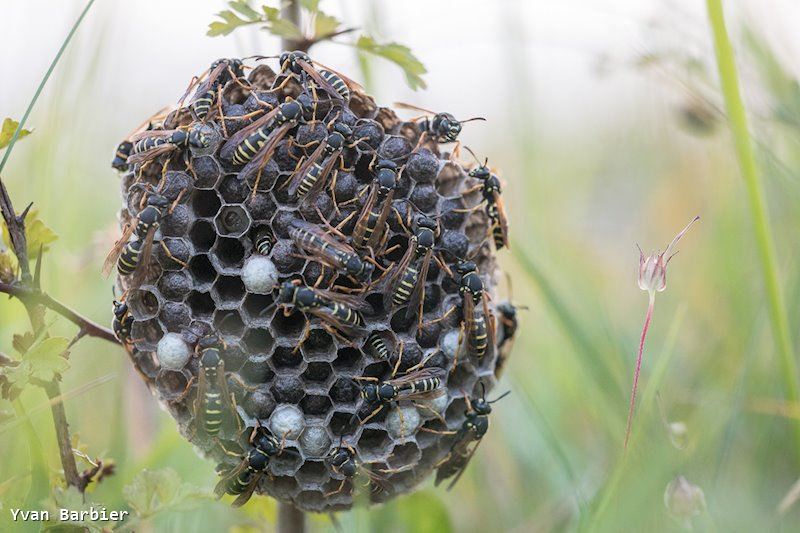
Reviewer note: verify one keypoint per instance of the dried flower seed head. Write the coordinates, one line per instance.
(684, 500)
(653, 268)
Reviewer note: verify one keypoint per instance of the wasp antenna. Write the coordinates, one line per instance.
(472, 154)
(506, 393)
(472, 119)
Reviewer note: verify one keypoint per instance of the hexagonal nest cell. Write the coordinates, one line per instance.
(301, 336)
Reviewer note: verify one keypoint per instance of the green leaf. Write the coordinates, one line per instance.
(230, 20)
(312, 6)
(45, 358)
(43, 361)
(399, 55)
(8, 266)
(7, 132)
(325, 25)
(37, 233)
(244, 9)
(153, 491)
(70, 498)
(280, 27)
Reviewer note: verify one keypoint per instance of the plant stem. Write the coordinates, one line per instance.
(737, 118)
(648, 317)
(71, 474)
(30, 296)
(290, 519)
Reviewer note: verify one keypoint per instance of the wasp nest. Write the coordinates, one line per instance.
(279, 226)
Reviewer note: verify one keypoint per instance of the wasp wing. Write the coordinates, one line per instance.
(244, 497)
(418, 296)
(119, 246)
(502, 219)
(394, 280)
(262, 156)
(412, 107)
(237, 138)
(144, 260)
(351, 301)
(301, 172)
(376, 239)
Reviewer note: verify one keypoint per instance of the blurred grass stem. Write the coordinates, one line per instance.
(647, 319)
(755, 193)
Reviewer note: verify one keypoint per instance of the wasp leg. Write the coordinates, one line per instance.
(172, 257)
(337, 491)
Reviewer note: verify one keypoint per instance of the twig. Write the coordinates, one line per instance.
(16, 230)
(30, 296)
(291, 11)
(290, 519)
(71, 474)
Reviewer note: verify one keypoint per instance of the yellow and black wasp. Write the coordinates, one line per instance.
(342, 461)
(150, 144)
(253, 145)
(343, 85)
(441, 127)
(312, 175)
(468, 438)
(376, 345)
(124, 149)
(213, 403)
(415, 384)
(123, 321)
(219, 74)
(299, 64)
(478, 327)
(338, 312)
(370, 228)
(264, 241)
(490, 188)
(131, 253)
(242, 480)
(407, 283)
(320, 246)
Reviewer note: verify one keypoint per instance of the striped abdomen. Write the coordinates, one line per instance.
(248, 148)
(363, 232)
(347, 315)
(149, 143)
(405, 287)
(309, 180)
(129, 258)
(377, 346)
(337, 83)
(212, 405)
(203, 104)
(421, 385)
(477, 337)
(264, 242)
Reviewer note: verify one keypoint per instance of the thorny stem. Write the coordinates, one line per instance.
(737, 118)
(30, 296)
(648, 317)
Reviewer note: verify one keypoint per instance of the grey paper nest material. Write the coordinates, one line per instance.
(213, 280)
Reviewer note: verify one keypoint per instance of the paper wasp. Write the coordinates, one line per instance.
(416, 384)
(123, 321)
(342, 461)
(319, 246)
(472, 431)
(124, 149)
(253, 145)
(337, 311)
(220, 73)
(213, 401)
(312, 175)
(243, 479)
(407, 283)
(490, 188)
(442, 127)
(370, 228)
(150, 144)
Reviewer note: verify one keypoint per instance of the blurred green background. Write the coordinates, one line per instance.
(607, 123)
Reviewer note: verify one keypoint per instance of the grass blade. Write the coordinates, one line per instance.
(737, 118)
(42, 83)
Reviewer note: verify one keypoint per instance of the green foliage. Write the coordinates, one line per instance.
(155, 491)
(38, 234)
(241, 14)
(43, 362)
(399, 55)
(7, 132)
(322, 27)
(72, 499)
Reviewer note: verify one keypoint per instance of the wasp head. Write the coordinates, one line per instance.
(287, 292)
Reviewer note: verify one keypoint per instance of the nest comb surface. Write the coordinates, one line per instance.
(307, 395)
